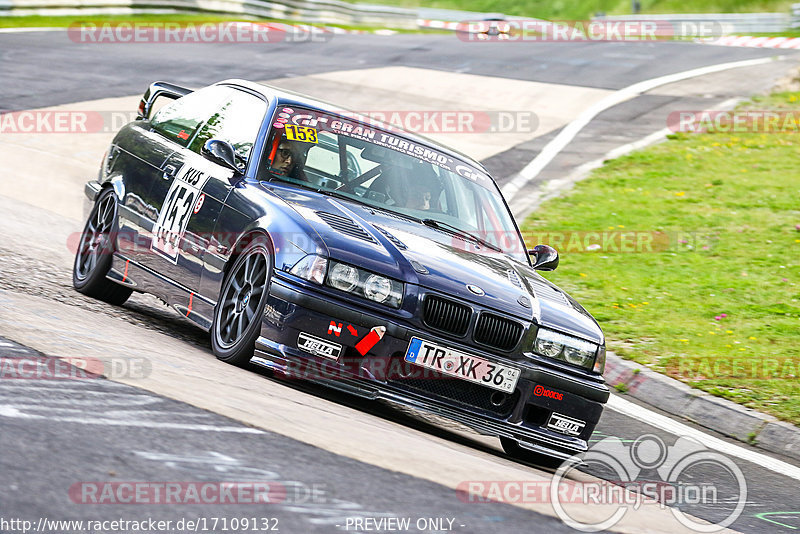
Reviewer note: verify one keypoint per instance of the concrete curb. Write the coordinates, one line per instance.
(714, 413)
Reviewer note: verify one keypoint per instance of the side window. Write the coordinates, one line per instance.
(237, 121)
(179, 120)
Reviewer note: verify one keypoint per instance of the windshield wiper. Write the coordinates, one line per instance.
(433, 223)
(310, 187)
(336, 194)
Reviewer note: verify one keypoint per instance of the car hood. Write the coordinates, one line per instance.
(440, 261)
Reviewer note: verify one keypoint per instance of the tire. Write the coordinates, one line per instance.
(238, 313)
(94, 255)
(517, 452)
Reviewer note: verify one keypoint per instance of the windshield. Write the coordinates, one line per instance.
(379, 168)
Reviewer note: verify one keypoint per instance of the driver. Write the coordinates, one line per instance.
(290, 159)
(423, 193)
(419, 197)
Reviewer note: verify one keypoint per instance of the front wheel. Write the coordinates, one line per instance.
(94, 256)
(237, 316)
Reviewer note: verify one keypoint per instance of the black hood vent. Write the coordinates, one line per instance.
(545, 292)
(346, 226)
(399, 244)
(513, 277)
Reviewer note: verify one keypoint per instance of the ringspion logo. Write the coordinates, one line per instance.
(627, 476)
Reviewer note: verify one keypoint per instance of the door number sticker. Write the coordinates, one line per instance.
(179, 204)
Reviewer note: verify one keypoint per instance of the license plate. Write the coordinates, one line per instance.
(461, 365)
(565, 425)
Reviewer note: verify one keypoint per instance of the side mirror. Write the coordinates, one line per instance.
(545, 257)
(221, 153)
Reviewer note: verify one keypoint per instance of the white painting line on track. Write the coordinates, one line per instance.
(566, 135)
(523, 206)
(657, 420)
(33, 401)
(31, 30)
(10, 411)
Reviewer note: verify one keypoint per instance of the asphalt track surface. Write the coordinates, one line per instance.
(47, 440)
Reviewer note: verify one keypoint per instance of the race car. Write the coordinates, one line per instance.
(330, 247)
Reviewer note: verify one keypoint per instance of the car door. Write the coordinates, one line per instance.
(193, 197)
(144, 159)
(138, 157)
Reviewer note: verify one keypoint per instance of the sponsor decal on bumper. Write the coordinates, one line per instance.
(318, 347)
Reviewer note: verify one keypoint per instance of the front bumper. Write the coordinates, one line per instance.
(382, 373)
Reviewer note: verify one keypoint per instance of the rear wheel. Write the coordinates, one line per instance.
(237, 316)
(94, 256)
(518, 452)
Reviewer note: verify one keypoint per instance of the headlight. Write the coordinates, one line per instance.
(579, 357)
(343, 277)
(548, 348)
(566, 348)
(377, 288)
(311, 267)
(365, 284)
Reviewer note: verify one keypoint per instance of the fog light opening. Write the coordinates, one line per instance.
(404, 369)
(498, 398)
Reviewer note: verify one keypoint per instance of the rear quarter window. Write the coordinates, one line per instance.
(180, 120)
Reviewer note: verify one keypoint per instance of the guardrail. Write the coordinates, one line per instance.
(339, 12)
(729, 23)
(311, 11)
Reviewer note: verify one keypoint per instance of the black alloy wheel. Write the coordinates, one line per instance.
(94, 256)
(238, 313)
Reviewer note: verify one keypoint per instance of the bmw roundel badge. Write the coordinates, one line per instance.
(475, 289)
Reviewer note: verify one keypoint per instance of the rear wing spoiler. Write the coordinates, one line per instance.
(157, 89)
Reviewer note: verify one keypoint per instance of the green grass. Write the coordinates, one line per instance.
(583, 9)
(65, 22)
(788, 33)
(717, 303)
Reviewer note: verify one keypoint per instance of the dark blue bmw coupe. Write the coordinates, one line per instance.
(329, 247)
